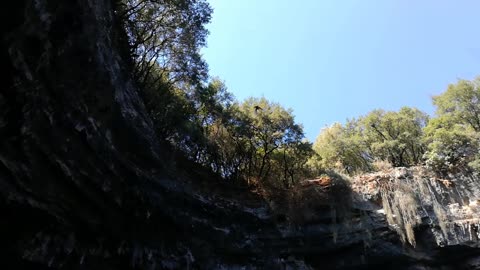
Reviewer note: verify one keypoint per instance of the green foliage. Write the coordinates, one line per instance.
(453, 136)
(395, 136)
(461, 103)
(167, 34)
(408, 137)
(450, 149)
(258, 140)
(275, 142)
(169, 108)
(165, 38)
(341, 148)
(389, 136)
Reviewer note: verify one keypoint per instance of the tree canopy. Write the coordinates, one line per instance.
(453, 136)
(258, 141)
(395, 137)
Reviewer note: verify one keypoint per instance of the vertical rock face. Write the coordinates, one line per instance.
(83, 182)
(415, 197)
(74, 133)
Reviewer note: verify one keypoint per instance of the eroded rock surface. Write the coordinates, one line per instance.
(413, 197)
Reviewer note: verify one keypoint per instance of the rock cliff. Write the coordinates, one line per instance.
(85, 183)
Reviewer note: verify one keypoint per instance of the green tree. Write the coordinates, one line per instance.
(461, 103)
(451, 146)
(214, 111)
(167, 34)
(255, 139)
(294, 157)
(165, 38)
(453, 136)
(395, 136)
(274, 133)
(341, 148)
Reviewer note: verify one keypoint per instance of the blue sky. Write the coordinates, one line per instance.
(330, 60)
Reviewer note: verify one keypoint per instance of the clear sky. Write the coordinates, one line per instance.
(330, 60)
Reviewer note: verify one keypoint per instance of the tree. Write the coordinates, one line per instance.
(167, 34)
(453, 136)
(214, 111)
(395, 136)
(451, 146)
(294, 158)
(275, 139)
(380, 135)
(255, 139)
(165, 38)
(341, 148)
(461, 103)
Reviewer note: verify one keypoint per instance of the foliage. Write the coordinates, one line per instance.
(258, 141)
(167, 34)
(394, 137)
(340, 148)
(274, 145)
(461, 103)
(169, 108)
(453, 136)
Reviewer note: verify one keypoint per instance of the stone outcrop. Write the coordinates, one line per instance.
(85, 183)
(412, 197)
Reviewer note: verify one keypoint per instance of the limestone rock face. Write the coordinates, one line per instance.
(85, 184)
(416, 197)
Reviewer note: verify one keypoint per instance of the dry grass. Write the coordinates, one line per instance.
(382, 165)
